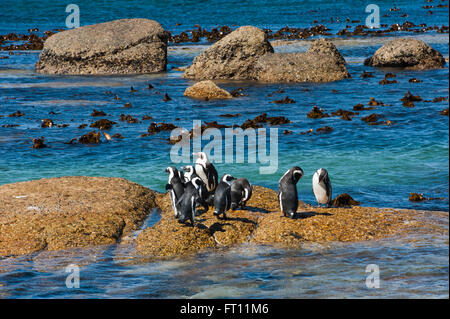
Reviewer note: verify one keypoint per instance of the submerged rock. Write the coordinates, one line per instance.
(97, 113)
(325, 129)
(207, 90)
(406, 53)
(361, 107)
(160, 127)
(286, 100)
(344, 200)
(69, 212)
(38, 143)
(90, 138)
(232, 57)
(409, 99)
(371, 118)
(46, 123)
(415, 197)
(103, 124)
(321, 63)
(317, 113)
(123, 46)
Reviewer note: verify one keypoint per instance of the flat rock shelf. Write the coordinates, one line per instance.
(73, 212)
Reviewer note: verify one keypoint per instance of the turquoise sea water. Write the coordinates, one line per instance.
(377, 165)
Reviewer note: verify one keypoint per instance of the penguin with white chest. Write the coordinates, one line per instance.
(322, 187)
(187, 202)
(222, 196)
(175, 186)
(206, 171)
(287, 191)
(241, 191)
(189, 173)
(202, 191)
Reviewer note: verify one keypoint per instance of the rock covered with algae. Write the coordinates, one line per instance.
(73, 212)
(69, 212)
(261, 222)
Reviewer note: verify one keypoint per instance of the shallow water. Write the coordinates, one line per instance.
(377, 165)
(406, 270)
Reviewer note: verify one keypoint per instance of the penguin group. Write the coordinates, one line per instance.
(197, 185)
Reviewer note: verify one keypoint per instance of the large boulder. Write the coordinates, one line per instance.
(232, 57)
(321, 63)
(406, 53)
(207, 90)
(117, 47)
(69, 212)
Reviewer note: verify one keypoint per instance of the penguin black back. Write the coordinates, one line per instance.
(222, 196)
(287, 191)
(175, 186)
(241, 191)
(202, 191)
(187, 202)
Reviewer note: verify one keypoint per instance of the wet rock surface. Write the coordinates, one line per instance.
(207, 90)
(92, 137)
(261, 222)
(321, 63)
(317, 113)
(124, 46)
(69, 212)
(406, 53)
(232, 57)
(103, 124)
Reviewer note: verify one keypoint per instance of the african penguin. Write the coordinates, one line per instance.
(287, 191)
(206, 170)
(175, 186)
(188, 200)
(241, 191)
(322, 187)
(222, 196)
(202, 191)
(189, 173)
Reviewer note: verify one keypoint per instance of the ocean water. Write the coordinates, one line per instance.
(378, 165)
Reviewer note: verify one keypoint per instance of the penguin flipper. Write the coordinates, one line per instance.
(168, 187)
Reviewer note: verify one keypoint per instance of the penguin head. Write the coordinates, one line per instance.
(323, 173)
(172, 172)
(297, 173)
(188, 169)
(197, 182)
(170, 169)
(201, 157)
(227, 178)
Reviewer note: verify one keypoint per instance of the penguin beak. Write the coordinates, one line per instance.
(183, 168)
(166, 170)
